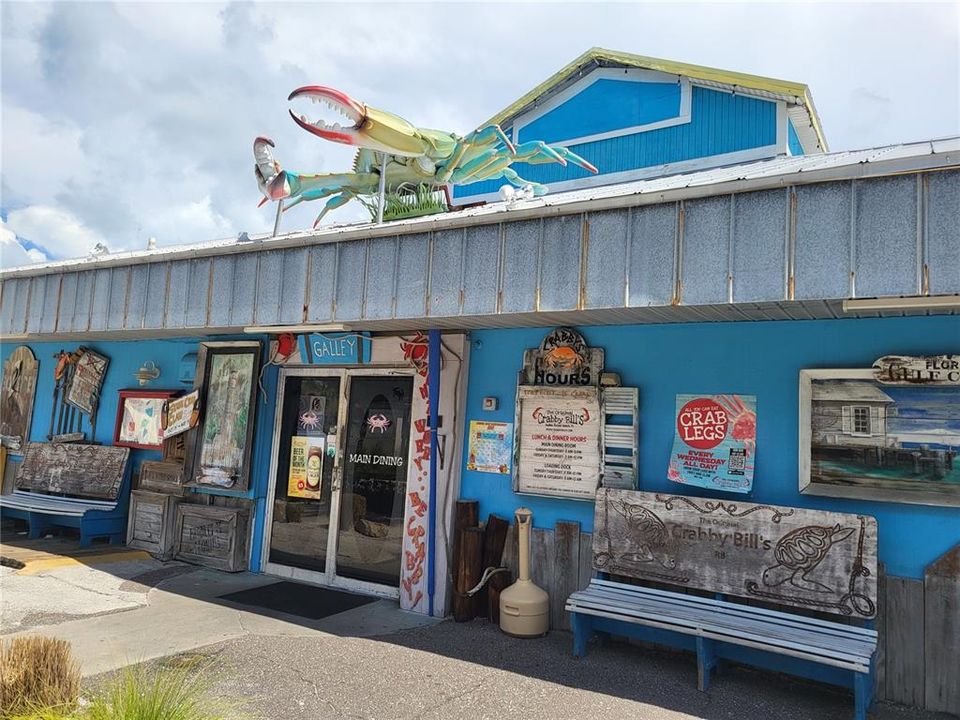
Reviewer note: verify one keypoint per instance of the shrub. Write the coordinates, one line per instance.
(137, 693)
(37, 672)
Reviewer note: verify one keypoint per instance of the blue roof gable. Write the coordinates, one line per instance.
(721, 128)
(604, 106)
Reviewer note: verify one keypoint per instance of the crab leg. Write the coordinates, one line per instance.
(536, 152)
(490, 136)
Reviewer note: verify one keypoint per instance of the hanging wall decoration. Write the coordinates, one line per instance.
(227, 378)
(86, 381)
(715, 442)
(490, 447)
(180, 414)
(865, 434)
(413, 162)
(139, 418)
(16, 405)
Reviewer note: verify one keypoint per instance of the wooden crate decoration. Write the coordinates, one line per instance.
(212, 536)
(162, 477)
(150, 524)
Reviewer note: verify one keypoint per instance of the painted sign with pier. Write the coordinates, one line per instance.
(861, 438)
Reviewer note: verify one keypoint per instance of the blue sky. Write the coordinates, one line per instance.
(122, 122)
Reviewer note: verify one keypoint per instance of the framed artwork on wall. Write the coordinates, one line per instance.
(16, 400)
(219, 448)
(861, 438)
(139, 414)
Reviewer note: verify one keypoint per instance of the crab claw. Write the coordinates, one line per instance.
(570, 156)
(270, 178)
(366, 127)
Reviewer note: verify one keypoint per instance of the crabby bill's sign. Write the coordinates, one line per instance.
(558, 421)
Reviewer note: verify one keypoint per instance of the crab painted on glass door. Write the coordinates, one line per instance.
(415, 157)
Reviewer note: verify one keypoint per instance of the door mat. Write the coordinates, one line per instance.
(307, 601)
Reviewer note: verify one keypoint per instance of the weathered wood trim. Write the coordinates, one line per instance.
(941, 614)
(904, 644)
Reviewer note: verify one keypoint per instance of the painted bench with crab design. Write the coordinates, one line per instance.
(819, 564)
(72, 485)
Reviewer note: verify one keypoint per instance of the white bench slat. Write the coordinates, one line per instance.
(731, 612)
(829, 643)
(730, 634)
(810, 643)
(722, 609)
(53, 505)
(857, 667)
(713, 603)
(832, 645)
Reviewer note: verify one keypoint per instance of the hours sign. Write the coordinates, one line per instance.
(558, 441)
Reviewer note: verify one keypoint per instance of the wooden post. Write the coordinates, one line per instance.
(466, 514)
(942, 632)
(468, 572)
(494, 539)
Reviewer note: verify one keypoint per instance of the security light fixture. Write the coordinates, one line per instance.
(926, 302)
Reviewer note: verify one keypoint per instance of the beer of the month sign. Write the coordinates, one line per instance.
(715, 442)
(558, 437)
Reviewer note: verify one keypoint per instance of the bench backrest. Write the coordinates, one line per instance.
(813, 559)
(74, 470)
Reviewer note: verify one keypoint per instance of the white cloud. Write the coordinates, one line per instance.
(57, 230)
(12, 253)
(126, 121)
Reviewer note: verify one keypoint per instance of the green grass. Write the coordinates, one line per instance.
(408, 202)
(137, 693)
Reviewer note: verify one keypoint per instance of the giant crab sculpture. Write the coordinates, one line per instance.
(411, 156)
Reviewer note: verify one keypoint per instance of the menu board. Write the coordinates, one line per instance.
(558, 441)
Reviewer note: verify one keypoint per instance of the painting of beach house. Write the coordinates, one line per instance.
(859, 438)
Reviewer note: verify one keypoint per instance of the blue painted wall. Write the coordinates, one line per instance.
(762, 359)
(603, 106)
(793, 139)
(720, 123)
(125, 358)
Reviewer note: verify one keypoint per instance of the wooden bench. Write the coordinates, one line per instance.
(809, 559)
(72, 485)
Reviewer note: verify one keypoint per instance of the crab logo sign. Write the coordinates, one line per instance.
(716, 441)
(378, 423)
(563, 358)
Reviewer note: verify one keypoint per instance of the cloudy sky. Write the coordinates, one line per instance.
(122, 122)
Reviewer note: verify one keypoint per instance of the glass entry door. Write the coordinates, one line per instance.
(341, 448)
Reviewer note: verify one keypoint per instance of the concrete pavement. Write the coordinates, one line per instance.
(374, 661)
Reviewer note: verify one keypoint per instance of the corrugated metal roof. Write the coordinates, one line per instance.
(795, 93)
(775, 172)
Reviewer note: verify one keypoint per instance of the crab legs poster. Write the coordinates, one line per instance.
(716, 442)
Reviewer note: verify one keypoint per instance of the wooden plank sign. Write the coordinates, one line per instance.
(180, 414)
(16, 402)
(94, 471)
(558, 441)
(161, 476)
(921, 370)
(89, 372)
(817, 560)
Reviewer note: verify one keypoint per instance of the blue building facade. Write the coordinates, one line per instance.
(634, 117)
(717, 251)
